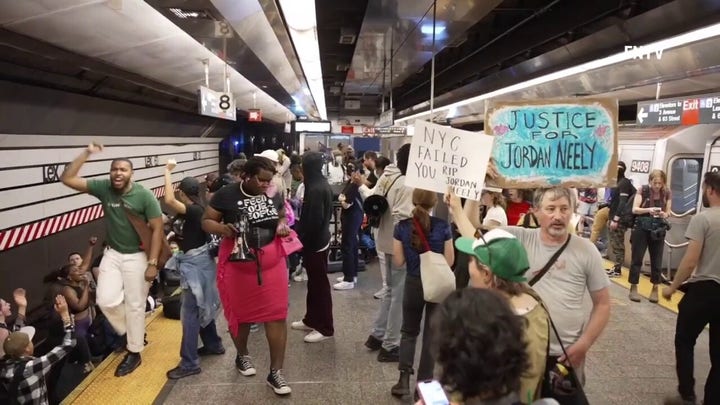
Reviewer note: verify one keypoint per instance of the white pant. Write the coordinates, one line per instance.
(122, 294)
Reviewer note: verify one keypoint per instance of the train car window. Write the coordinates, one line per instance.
(685, 183)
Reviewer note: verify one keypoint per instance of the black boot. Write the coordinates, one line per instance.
(402, 387)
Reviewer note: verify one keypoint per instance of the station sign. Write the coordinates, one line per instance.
(701, 109)
(385, 131)
(216, 104)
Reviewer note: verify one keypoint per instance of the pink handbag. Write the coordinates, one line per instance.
(291, 243)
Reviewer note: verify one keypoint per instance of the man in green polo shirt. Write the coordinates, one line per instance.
(126, 269)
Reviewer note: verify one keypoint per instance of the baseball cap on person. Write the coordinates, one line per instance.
(16, 342)
(189, 186)
(269, 154)
(501, 251)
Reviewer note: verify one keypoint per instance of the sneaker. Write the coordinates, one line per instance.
(614, 272)
(254, 327)
(300, 325)
(300, 275)
(381, 293)
(344, 285)
(277, 382)
(179, 372)
(315, 336)
(204, 351)
(389, 356)
(373, 343)
(244, 365)
(342, 278)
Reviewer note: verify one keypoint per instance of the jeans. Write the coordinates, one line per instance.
(697, 308)
(389, 319)
(351, 220)
(318, 315)
(122, 294)
(413, 305)
(190, 319)
(639, 241)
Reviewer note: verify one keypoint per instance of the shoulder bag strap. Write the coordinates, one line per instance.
(420, 232)
(391, 184)
(549, 264)
(140, 227)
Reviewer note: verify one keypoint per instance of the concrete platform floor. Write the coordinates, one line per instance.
(632, 363)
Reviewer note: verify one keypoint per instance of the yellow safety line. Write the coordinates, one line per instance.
(144, 384)
(644, 288)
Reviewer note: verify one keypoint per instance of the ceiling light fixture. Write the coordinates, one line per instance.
(637, 53)
(302, 24)
(186, 14)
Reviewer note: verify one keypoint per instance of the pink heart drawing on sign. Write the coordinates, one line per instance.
(500, 129)
(601, 130)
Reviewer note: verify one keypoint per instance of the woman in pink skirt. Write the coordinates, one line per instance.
(253, 290)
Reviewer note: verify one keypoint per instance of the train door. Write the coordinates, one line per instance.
(712, 162)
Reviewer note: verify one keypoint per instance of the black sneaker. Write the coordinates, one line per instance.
(203, 351)
(373, 343)
(179, 372)
(614, 272)
(389, 356)
(277, 382)
(244, 365)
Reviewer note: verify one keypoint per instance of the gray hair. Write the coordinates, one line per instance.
(555, 194)
(236, 166)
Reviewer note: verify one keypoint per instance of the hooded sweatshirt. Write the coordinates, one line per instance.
(313, 229)
(400, 206)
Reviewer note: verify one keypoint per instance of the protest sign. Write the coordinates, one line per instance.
(568, 143)
(443, 157)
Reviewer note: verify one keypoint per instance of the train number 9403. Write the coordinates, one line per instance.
(640, 166)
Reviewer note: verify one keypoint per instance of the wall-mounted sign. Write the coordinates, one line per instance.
(568, 143)
(640, 166)
(313, 126)
(385, 131)
(703, 109)
(216, 104)
(347, 129)
(254, 115)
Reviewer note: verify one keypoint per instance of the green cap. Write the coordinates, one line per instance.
(501, 251)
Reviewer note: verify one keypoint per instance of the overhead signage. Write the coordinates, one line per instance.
(254, 115)
(385, 131)
(702, 109)
(443, 157)
(313, 126)
(347, 129)
(216, 104)
(387, 118)
(558, 143)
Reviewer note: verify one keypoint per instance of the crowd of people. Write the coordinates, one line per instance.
(513, 331)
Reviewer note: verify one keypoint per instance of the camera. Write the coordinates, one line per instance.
(659, 230)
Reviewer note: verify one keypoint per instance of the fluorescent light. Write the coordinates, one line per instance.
(302, 24)
(665, 44)
(427, 29)
(180, 13)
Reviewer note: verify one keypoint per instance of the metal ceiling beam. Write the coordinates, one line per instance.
(547, 25)
(47, 51)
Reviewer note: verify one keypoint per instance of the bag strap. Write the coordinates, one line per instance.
(391, 184)
(550, 262)
(420, 232)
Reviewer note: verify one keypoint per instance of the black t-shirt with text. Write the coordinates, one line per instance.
(261, 210)
(188, 228)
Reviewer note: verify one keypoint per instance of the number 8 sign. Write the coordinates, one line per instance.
(640, 166)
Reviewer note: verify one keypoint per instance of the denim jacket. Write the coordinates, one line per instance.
(197, 270)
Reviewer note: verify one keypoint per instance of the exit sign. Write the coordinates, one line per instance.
(254, 115)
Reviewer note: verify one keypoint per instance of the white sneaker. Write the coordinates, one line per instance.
(315, 336)
(300, 325)
(344, 285)
(381, 293)
(300, 276)
(342, 278)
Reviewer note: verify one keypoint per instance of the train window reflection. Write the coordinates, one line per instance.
(685, 183)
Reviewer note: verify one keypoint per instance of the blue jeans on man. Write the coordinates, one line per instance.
(190, 318)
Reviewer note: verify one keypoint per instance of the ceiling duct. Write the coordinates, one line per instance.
(352, 104)
(347, 36)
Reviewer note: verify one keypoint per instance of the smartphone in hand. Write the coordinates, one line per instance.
(432, 393)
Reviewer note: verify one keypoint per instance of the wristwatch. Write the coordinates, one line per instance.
(152, 262)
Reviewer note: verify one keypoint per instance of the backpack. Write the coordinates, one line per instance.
(376, 205)
(9, 391)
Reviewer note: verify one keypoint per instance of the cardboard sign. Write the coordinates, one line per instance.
(568, 143)
(442, 157)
